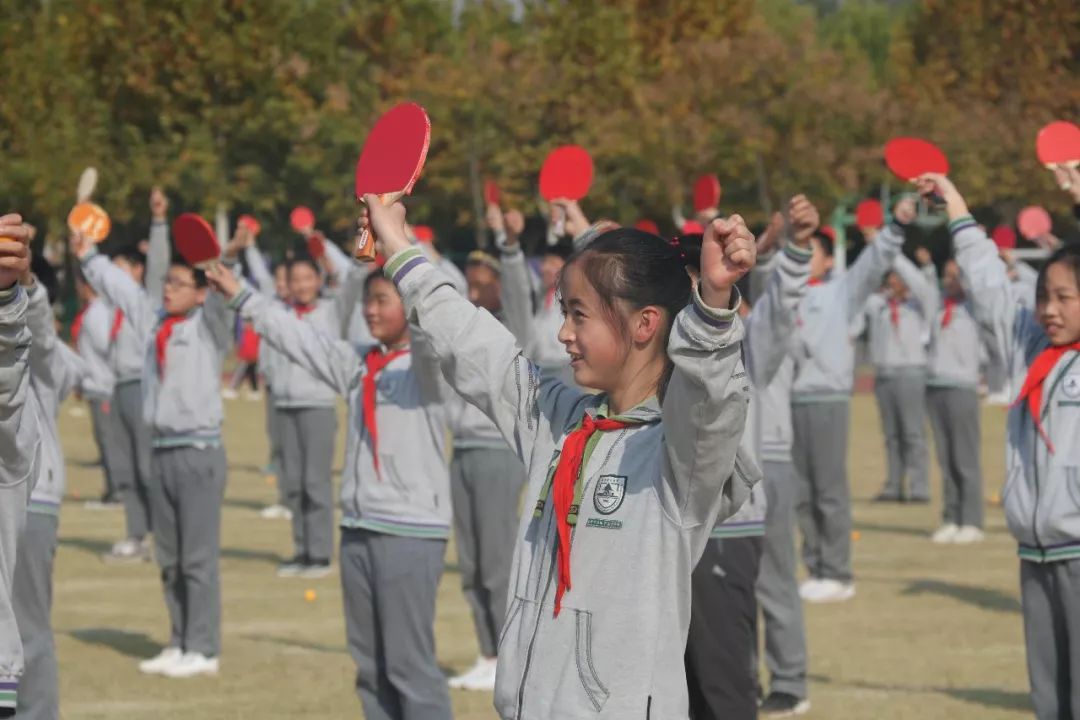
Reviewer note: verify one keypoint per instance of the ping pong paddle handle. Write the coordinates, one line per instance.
(365, 244)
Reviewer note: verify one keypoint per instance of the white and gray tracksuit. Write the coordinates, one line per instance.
(93, 346)
(1041, 497)
(616, 649)
(395, 514)
(820, 404)
(897, 330)
(55, 370)
(267, 363)
(20, 447)
(952, 402)
(182, 406)
(739, 564)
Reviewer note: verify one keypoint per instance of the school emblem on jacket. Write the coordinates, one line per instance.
(1071, 386)
(608, 493)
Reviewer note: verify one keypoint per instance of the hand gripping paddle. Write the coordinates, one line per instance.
(195, 241)
(1034, 222)
(868, 214)
(91, 220)
(1058, 144)
(567, 173)
(706, 193)
(391, 162)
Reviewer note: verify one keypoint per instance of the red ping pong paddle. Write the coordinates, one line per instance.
(647, 226)
(302, 220)
(424, 234)
(250, 223)
(491, 192)
(1058, 144)
(706, 193)
(868, 214)
(391, 161)
(1004, 237)
(909, 157)
(1034, 222)
(316, 245)
(195, 241)
(567, 173)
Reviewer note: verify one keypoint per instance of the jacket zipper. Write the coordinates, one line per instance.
(1035, 449)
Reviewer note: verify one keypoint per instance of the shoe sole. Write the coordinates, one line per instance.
(315, 574)
(801, 709)
(830, 600)
(210, 673)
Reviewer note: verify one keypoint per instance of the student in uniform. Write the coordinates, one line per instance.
(55, 370)
(185, 335)
(952, 399)
(20, 442)
(721, 649)
(1040, 497)
(896, 322)
(820, 399)
(395, 492)
(626, 485)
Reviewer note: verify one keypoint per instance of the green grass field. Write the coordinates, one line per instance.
(934, 632)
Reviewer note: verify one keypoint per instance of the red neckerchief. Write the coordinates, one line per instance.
(117, 324)
(946, 317)
(303, 309)
(1033, 384)
(375, 361)
(562, 489)
(814, 282)
(164, 332)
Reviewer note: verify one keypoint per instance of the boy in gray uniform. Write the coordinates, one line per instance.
(952, 397)
(820, 399)
(20, 443)
(186, 336)
(55, 370)
(90, 336)
(896, 321)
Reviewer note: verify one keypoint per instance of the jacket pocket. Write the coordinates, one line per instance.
(596, 691)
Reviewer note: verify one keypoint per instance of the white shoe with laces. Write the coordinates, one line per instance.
(968, 534)
(831, 591)
(808, 588)
(945, 534)
(481, 676)
(161, 662)
(190, 665)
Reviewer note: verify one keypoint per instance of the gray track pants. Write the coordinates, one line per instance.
(39, 691)
(1049, 595)
(777, 589)
(273, 435)
(307, 436)
(389, 583)
(955, 420)
(101, 425)
(130, 462)
(902, 404)
(187, 490)
(485, 486)
(824, 502)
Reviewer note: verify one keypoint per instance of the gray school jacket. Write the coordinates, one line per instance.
(182, 407)
(127, 352)
(1041, 496)
(651, 495)
(410, 493)
(294, 385)
(55, 370)
(900, 349)
(20, 437)
(822, 348)
(956, 351)
(93, 347)
(768, 327)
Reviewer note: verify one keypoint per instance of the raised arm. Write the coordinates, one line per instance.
(18, 430)
(342, 265)
(264, 279)
(333, 361)
(863, 277)
(160, 253)
(771, 322)
(39, 318)
(116, 286)
(705, 404)
(926, 294)
(516, 296)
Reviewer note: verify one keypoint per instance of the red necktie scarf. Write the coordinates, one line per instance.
(562, 492)
(161, 341)
(375, 361)
(894, 313)
(117, 324)
(1033, 384)
(946, 317)
(302, 309)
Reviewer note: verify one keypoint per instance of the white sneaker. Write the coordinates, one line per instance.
(831, 591)
(999, 398)
(161, 662)
(276, 512)
(190, 665)
(968, 534)
(229, 394)
(481, 676)
(253, 395)
(809, 587)
(945, 534)
(129, 550)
